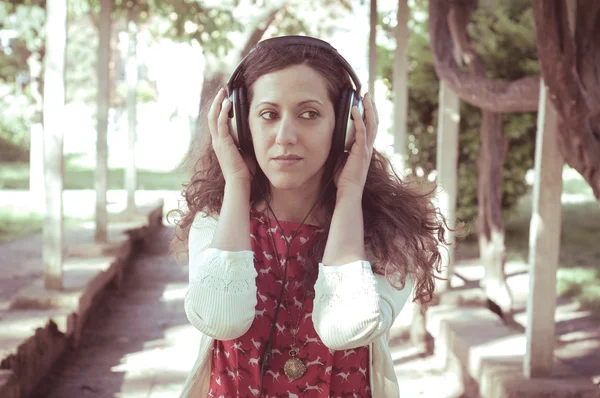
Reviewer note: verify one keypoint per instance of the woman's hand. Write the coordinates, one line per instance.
(233, 165)
(351, 179)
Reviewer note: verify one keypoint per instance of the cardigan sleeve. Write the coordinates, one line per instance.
(221, 297)
(353, 306)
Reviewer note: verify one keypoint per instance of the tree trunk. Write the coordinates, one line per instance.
(54, 118)
(132, 82)
(490, 226)
(101, 182)
(570, 67)
(521, 95)
(373, 47)
(401, 80)
(36, 135)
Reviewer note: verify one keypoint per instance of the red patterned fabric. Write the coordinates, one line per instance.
(235, 364)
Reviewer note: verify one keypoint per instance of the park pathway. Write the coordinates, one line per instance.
(137, 342)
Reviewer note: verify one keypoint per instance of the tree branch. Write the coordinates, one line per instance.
(575, 100)
(521, 95)
(259, 30)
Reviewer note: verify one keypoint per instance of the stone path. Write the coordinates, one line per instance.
(138, 342)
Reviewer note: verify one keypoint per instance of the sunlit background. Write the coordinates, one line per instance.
(173, 59)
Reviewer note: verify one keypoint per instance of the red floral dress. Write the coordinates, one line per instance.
(236, 364)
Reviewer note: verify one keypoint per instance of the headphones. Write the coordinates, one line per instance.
(344, 131)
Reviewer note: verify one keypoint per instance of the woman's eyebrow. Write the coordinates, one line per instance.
(276, 105)
(309, 101)
(265, 103)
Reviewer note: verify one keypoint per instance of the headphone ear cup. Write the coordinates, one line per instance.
(244, 134)
(240, 131)
(342, 120)
(234, 115)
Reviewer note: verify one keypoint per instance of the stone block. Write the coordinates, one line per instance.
(489, 357)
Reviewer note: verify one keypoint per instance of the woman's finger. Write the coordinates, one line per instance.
(213, 113)
(372, 121)
(359, 126)
(222, 121)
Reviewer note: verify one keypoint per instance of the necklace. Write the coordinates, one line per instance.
(294, 368)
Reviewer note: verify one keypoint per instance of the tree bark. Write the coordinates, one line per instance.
(401, 80)
(570, 68)
(521, 95)
(36, 135)
(132, 83)
(490, 225)
(373, 46)
(492, 153)
(101, 178)
(53, 119)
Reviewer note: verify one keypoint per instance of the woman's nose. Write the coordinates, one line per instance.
(287, 135)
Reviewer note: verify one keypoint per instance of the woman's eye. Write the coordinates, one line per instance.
(309, 115)
(268, 115)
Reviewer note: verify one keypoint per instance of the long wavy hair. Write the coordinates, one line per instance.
(404, 232)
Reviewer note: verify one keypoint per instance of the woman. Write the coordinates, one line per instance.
(301, 254)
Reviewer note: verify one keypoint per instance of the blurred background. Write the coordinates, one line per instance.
(116, 131)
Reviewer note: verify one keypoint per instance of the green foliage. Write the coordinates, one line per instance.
(17, 113)
(16, 224)
(145, 91)
(217, 28)
(26, 23)
(14, 137)
(504, 37)
(193, 20)
(81, 77)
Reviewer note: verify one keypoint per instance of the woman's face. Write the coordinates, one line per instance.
(291, 121)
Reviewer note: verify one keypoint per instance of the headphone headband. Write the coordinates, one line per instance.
(298, 41)
(344, 131)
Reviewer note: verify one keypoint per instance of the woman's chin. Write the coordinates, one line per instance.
(286, 185)
(286, 181)
(300, 179)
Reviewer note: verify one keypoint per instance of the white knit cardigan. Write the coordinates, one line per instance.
(353, 307)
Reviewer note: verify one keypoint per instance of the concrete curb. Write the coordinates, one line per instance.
(488, 357)
(41, 325)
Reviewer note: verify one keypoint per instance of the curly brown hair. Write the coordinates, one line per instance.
(403, 230)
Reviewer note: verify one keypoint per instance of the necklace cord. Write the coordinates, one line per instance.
(268, 347)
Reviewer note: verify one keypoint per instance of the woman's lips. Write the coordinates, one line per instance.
(287, 161)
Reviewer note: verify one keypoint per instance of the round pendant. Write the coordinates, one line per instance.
(294, 368)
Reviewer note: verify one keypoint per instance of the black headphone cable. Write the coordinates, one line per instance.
(268, 346)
